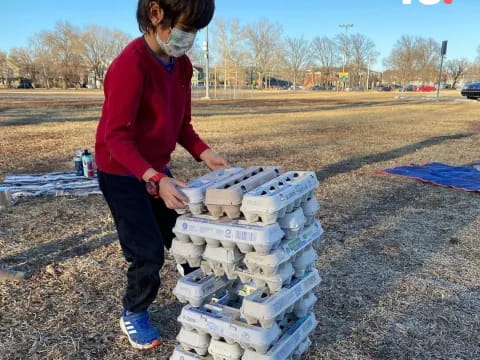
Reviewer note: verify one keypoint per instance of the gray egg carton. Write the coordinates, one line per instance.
(278, 197)
(181, 354)
(197, 188)
(198, 288)
(287, 251)
(192, 340)
(266, 308)
(274, 282)
(187, 252)
(221, 261)
(230, 234)
(221, 350)
(223, 322)
(225, 197)
(310, 210)
(292, 344)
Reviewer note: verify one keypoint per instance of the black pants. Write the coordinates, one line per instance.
(144, 227)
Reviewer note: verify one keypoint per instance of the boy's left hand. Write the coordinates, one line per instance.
(213, 160)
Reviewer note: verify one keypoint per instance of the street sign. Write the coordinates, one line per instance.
(444, 47)
(343, 76)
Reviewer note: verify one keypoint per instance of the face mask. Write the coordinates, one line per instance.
(178, 43)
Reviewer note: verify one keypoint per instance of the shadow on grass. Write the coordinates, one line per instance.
(34, 259)
(22, 121)
(358, 162)
(219, 110)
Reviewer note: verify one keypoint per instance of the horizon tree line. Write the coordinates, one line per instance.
(241, 55)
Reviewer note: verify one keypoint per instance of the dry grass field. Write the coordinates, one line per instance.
(401, 260)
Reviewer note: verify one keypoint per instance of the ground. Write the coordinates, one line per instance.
(401, 259)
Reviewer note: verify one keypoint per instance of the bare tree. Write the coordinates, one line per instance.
(23, 58)
(414, 58)
(3, 68)
(66, 46)
(456, 68)
(263, 39)
(325, 52)
(46, 71)
(296, 56)
(428, 56)
(343, 44)
(362, 54)
(100, 45)
(229, 40)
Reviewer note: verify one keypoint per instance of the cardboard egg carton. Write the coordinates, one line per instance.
(305, 261)
(187, 252)
(197, 288)
(293, 223)
(181, 354)
(266, 308)
(225, 197)
(301, 349)
(221, 261)
(223, 322)
(192, 340)
(274, 282)
(197, 188)
(287, 251)
(310, 210)
(247, 237)
(278, 197)
(221, 350)
(292, 344)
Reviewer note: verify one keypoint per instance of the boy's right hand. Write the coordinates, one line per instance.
(169, 193)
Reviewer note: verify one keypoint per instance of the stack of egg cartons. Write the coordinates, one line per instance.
(252, 297)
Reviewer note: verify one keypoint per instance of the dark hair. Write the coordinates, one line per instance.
(195, 14)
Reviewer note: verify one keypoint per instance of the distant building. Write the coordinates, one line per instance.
(198, 76)
(9, 75)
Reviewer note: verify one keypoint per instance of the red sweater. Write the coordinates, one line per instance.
(147, 110)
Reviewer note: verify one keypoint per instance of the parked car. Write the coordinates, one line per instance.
(25, 84)
(472, 90)
(318, 88)
(410, 88)
(426, 88)
(384, 88)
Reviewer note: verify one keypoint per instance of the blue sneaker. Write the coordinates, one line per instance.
(139, 330)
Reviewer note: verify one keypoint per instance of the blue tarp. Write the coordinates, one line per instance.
(457, 177)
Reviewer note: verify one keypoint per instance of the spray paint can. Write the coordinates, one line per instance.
(77, 159)
(87, 162)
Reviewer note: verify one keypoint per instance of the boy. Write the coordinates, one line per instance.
(147, 110)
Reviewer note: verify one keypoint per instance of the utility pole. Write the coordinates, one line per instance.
(207, 66)
(346, 27)
(443, 53)
(368, 74)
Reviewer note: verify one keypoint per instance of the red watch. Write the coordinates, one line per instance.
(153, 185)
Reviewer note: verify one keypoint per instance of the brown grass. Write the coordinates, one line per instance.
(401, 263)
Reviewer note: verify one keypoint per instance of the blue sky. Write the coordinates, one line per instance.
(382, 20)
